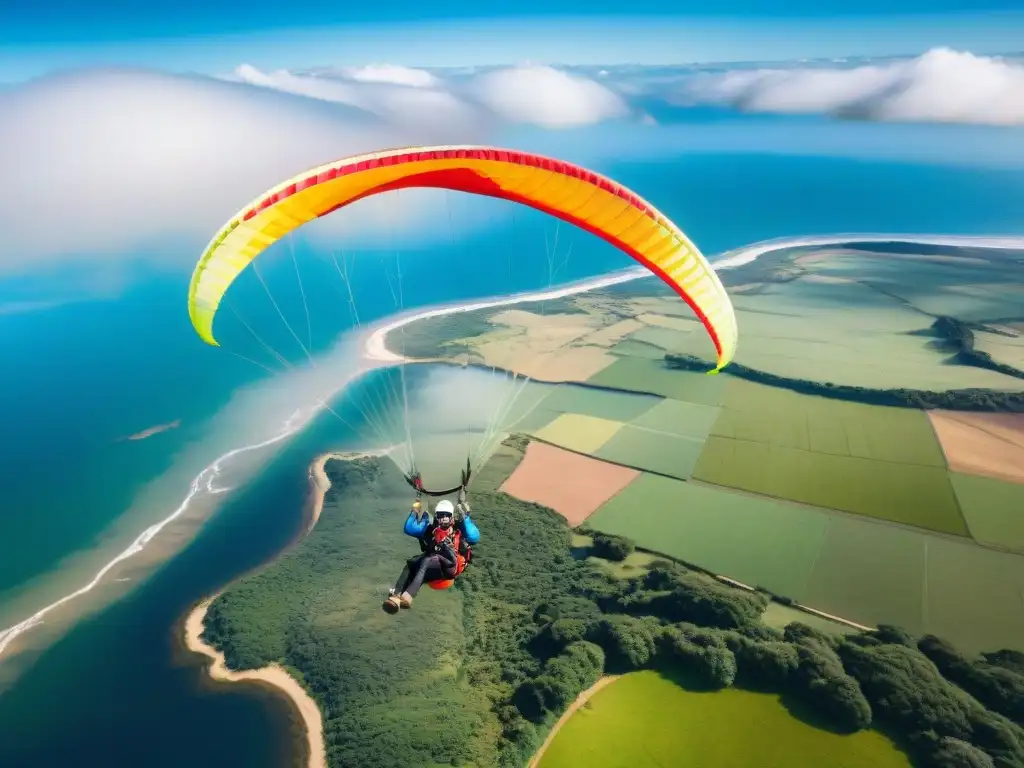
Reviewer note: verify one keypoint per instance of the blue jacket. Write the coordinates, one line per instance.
(417, 528)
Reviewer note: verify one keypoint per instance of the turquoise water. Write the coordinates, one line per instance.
(79, 377)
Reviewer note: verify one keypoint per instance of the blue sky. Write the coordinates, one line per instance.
(204, 36)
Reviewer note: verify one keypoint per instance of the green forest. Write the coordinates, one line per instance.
(478, 675)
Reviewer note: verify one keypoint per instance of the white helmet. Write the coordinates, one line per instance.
(444, 507)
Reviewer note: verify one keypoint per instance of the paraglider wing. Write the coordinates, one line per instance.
(581, 197)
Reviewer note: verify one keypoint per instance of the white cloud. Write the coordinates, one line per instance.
(377, 90)
(536, 94)
(546, 96)
(940, 86)
(391, 73)
(98, 163)
(102, 161)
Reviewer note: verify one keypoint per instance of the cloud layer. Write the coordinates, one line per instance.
(940, 86)
(99, 162)
(533, 94)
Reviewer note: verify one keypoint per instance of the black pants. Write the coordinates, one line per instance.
(423, 568)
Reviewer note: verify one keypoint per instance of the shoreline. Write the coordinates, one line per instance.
(374, 353)
(275, 675)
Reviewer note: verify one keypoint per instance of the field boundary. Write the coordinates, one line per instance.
(582, 699)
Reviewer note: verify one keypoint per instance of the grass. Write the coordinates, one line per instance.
(759, 413)
(911, 494)
(755, 540)
(974, 595)
(668, 339)
(534, 420)
(641, 375)
(577, 432)
(856, 568)
(659, 452)
(636, 564)
(994, 509)
(778, 615)
(681, 418)
(604, 404)
(631, 348)
(646, 719)
(870, 573)
(436, 336)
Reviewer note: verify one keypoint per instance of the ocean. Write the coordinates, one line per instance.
(78, 378)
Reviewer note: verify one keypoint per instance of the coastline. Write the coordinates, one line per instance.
(274, 674)
(374, 353)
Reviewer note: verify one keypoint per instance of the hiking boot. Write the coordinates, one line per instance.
(392, 604)
(406, 600)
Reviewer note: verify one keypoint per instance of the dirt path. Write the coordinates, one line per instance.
(582, 699)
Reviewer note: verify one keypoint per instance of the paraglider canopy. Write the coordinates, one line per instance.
(571, 193)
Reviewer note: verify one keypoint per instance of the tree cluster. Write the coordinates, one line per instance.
(960, 336)
(611, 547)
(952, 400)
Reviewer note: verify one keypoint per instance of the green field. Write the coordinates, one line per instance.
(994, 510)
(870, 573)
(788, 419)
(640, 375)
(646, 719)
(681, 418)
(660, 452)
(758, 541)
(670, 339)
(779, 616)
(617, 406)
(632, 348)
(868, 460)
(904, 493)
(974, 595)
(583, 434)
(857, 568)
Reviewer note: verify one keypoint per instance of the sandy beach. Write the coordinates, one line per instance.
(275, 675)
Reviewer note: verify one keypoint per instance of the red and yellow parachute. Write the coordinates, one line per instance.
(581, 197)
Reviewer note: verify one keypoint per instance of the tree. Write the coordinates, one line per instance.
(628, 641)
(611, 547)
(701, 652)
(954, 753)
(770, 665)
(821, 677)
(998, 688)
(561, 680)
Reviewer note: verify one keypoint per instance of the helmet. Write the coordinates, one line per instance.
(444, 509)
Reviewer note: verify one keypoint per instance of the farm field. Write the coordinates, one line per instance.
(652, 451)
(864, 570)
(868, 460)
(732, 728)
(874, 514)
(540, 478)
(755, 540)
(994, 510)
(642, 375)
(989, 444)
